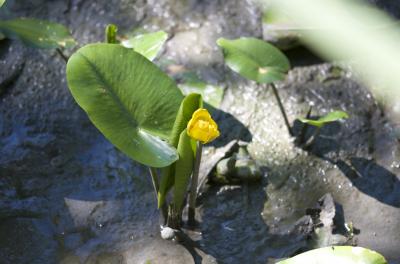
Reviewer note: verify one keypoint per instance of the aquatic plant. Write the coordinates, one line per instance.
(319, 123)
(142, 112)
(37, 33)
(259, 61)
(147, 44)
(203, 129)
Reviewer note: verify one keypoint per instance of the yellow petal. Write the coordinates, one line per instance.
(202, 127)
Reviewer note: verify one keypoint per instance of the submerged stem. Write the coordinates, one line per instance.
(63, 56)
(156, 186)
(193, 186)
(304, 128)
(154, 179)
(278, 98)
(311, 140)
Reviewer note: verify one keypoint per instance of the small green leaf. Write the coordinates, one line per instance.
(2, 2)
(331, 117)
(149, 45)
(38, 33)
(191, 103)
(337, 254)
(129, 99)
(111, 34)
(255, 59)
(211, 94)
(183, 169)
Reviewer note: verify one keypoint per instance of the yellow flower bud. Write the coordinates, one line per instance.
(202, 127)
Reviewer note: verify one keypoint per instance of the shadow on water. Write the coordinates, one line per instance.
(234, 231)
(366, 175)
(302, 56)
(230, 128)
(325, 142)
(372, 179)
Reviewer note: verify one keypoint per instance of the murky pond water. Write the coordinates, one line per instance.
(68, 196)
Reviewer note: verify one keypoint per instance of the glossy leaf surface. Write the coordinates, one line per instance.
(255, 59)
(149, 44)
(37, 33)
(337, 254)
(130, 100)
(331, 117)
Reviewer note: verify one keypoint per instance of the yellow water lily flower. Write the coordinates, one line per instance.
(202, 127)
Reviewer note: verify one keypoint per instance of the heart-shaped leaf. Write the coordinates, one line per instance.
(331, 117)
(149, 45)
(337, 254)
(38, 33)
(130, 100)
(255, 59)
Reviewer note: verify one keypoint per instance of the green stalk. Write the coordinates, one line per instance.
(278, 99)
(62, 55)
(193, 186)
(304, 128)
(156, 186)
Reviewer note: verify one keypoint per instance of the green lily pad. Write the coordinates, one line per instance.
(255, 59)
(331, 117)
(129, 99)
(149, 44)
(37, 33)
(337, 254)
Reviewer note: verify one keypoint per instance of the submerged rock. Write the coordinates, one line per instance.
(237, 168)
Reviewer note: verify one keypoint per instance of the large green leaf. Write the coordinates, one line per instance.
(191, 103)
(183, 169)
(149, 45)
(336, 255)
(2, 2)
(130, 100)
(38, 33)
(255, 59)
(331, 117)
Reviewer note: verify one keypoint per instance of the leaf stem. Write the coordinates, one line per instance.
(63, 56)
(278, 99)
(156, 186)
(304, 128)
(193, 186)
